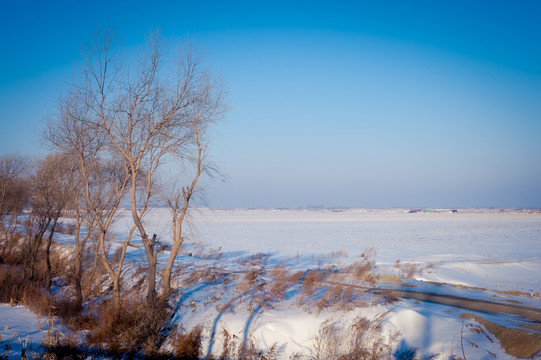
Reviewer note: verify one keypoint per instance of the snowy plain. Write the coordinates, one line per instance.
(479, 254)
(492, 250)
(483, 248)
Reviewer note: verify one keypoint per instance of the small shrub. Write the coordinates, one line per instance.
(252, 278)
(229, 346)
(410, 270)
(364, 339)
(28, 293)
(187, 345)
(115, 330)
(245, 351)
(313, 280)
(280, 280)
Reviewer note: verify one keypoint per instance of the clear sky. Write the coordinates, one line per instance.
(352, 104)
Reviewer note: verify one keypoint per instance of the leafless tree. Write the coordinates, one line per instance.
(209, 107)
(108, 183)
(51, 188)
(122, 121)
(69, 133)
(14, 171)
(102, 182)
(151, 111)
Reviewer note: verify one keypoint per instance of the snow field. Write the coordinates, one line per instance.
(481, 249)
(477, 250)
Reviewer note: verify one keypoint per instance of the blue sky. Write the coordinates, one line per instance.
(353, 104)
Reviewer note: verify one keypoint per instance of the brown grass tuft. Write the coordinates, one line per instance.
(363, 339)
(187, 345)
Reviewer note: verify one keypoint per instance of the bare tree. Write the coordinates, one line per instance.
(83, 218)
(101, 181)
(208, 108)
(14, 171)
(122, 121)
(107, 186)
(52, 187)
(150, 111)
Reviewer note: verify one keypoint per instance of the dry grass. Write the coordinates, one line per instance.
(363, 270)
(114, 329)
(313, 281)
(363, 339)
(341, 288)
(208, 254)
(276, 289)
(411, 269)
(32, 294)
(517, 342)
(11, 244)
(229, 346)
(233, 348)
(29, 293)
(252, 282)
(135, 328)
(187, 345)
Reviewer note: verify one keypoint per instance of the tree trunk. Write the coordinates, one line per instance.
(78, 276)
(33, 253)
(96, 257)
(169, 269)
(152, 262)
(48, 280)
(116, 293)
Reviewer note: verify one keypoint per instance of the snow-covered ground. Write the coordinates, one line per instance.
(485, 255)
(489, 249)
(493, 250)
(20, 328)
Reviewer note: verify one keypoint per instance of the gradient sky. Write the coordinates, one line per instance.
(337, 104)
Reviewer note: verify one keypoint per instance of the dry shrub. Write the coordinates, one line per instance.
(95, 280)
(33, 295)
(342, 296)
(28, 293)
(312, 281)
(95, 284)
(61, 265)
(363, 270)
(208, 254)
(116, 255)
(245, 351)
(253, 268)
(280, 281)
(116, 328)
(11, 248)
(229, 346)
(363, 339)
(252, 279)
(187, 345)
(341, 288)
(203, 273)
(410, 269)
